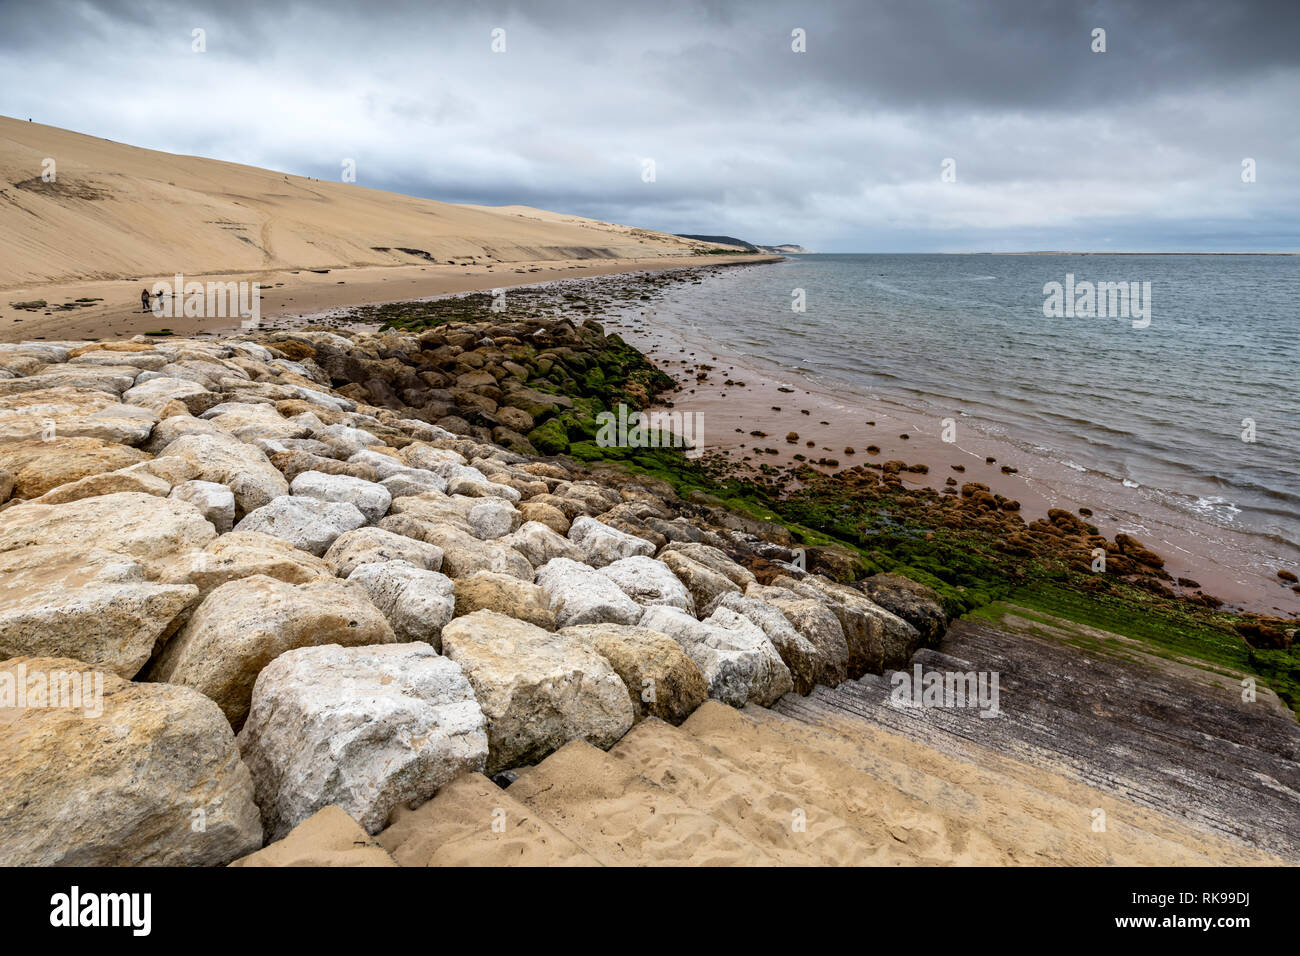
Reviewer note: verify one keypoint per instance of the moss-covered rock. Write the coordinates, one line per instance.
(550, 438)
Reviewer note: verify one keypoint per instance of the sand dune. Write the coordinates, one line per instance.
(117, 211)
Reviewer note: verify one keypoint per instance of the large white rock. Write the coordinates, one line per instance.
(661, 679)
(649, 582)
(599, 544)
(413, 482)
(416, 602)
(307, 523)
(462, 553)
(420, 455)
(174, 427)
(244, 625)
(370, 498)
(247, 421)
(539, 543)
(538, 689)
(384, 465)
(72, 412)
(349, 440)
(712, 558)
(157, 532)
(818, 624)
(464, 480)
(365, 545)
(492, 518)
(215, 502)
(228, 461)
(735, 656)
(121, 780)
(878, 639)
(809, 664)
(94, 605)
(155, 394)
(85, 377)
(364, 728)
(705, 584)
(579, 595)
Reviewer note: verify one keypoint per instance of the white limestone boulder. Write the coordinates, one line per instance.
(598, 544)
(120, 777)
(538, 689)
(365, 728)
(416, 602)
(735, 656)
(578, 595)
(307, 523)
(370, 498)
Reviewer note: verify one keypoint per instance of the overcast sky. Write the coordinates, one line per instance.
(839, 148)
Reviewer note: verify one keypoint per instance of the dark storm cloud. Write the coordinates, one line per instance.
(838, 147)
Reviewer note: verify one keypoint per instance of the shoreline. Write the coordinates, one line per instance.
(829, 418)
(1228, 564)
(302, 292)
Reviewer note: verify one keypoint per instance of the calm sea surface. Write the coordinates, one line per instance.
(1162, 408)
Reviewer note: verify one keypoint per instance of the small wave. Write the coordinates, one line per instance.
(1130, 483)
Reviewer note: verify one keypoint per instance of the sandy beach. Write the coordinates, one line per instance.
(299, 292)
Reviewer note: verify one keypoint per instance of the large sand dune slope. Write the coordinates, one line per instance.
(116, 211)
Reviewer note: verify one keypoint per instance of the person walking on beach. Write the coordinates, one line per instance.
(144, 300)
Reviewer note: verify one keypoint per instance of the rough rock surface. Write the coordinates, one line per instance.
(139, 477)
(215, 502)
(705, 584)
(714, 559)
(38, 466)
(662, 681)
(915, 603)
(242, 554)
(309, 524)
(579, 595)
(370, 498)
(227, 461)
(506, 594)
(156, 532)
(538, 689)
(598, 544)
(363, 728)
(867, 626)
(818, 625)
(462, 553)
(649, 582)
(366, 545)
(95, 605)
(416, 602)
(244, 625)
(540, 543)
(809, 665)
(734, 655)
(121, 787)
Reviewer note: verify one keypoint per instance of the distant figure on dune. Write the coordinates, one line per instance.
(144, 300)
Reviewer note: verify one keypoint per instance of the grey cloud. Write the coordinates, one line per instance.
(838, 148)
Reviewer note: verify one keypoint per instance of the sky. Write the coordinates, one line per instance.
(902, 125)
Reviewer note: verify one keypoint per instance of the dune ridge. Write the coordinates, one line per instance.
(117, 211)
